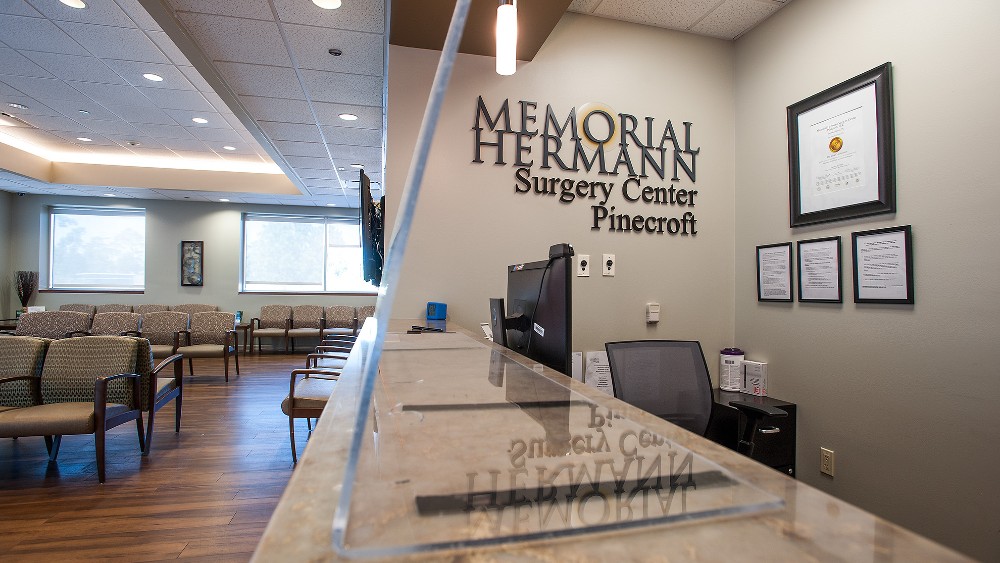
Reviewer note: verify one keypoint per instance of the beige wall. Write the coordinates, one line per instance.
(905, 395)
(471, 224)
(7, 296)
(167, 224)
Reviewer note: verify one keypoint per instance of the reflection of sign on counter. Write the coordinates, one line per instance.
(597, 372)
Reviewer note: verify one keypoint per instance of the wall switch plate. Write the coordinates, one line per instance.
(608, 265)
(652, 313)
(583, 266)
(826, 461)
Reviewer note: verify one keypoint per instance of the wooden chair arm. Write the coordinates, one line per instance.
(101, 391)
(313, 359)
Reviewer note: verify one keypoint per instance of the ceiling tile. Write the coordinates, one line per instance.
(46, 88)
(343, 88)
(18, 9)
(102, 13)
(132, 71)
(671, 14)
(238, 40)
(257, 80)
(216, 136)
(295, 148)
(135, 114)
(311, 162)
(13, 63)
(734, 17)
(23, 33)
(188, 100)
(325, 174)
(115, 42)
(71, 109)
(362, 52)
(184, 117)
(583, 6)
(189, 144)
(138, 15)
(291, 132)
(369, 117)
(167, 47)
(34, 107)
(75, 67)
(113, 95)
(277, 109)
(95, 139)
(356, 15)
(164, 132)
(196, 79)
(353, 136)
(117, 127)
(257, 9)
(144, 142)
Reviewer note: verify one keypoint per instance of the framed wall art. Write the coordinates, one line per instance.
(192, 262)
(819, 270)
(774, 272)
(841, 161)
(883, 266)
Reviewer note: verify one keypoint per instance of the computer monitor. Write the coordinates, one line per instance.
(370, 216)
(538, 322)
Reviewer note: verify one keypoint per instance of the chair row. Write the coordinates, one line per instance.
(208, 334)
(141, 309)
(288, 322)
(83, 385)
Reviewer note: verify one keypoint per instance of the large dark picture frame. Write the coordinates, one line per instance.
(192, 262)
(841, 155)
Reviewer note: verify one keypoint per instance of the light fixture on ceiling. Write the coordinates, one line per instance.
(17, 105)
(133, 143)
(331, 205)
(83, 112)
(341, 168)
(109, 195)
(153, 77)
(355, 165)
(335, 52)
(507, 37)
(327, 4)
(199, 120)
(348, 117)
(223, 200)
(229, 148)
(84, 139)
(78, 4)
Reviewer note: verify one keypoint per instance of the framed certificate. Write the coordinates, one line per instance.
(819, 270)
(774, 272)
(841, 160)
(883, 266)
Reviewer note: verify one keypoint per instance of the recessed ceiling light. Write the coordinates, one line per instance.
(83, 111)
(153, 77)
(109, 195)
(17, 105)
(199, 120)
(327, 4)
(229, 148)
(84, 139)
(133, 143)
(78, 4)
(341, 168)
(331, 205)
(223, 199)
(348, 117)
(357, 165)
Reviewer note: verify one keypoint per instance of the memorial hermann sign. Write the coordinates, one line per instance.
(597, 141)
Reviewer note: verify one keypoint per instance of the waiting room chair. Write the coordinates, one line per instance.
(670, 379)
(307, 397)
(307, 322)
(192, 308)
(339, 320)
(363, 314)
(114, 308)
(52, 324)
(212, 335)
(158, 388)
(21, 363)
(114, 324)
(151, 308)
(163, 329)
(274, 322)
(79, 308)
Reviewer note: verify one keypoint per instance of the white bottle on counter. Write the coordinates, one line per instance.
(731, 369)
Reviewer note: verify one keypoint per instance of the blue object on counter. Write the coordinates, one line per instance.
(437, 311)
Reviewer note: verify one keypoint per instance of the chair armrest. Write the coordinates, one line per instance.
(327, 349)
(73, 333)
(8, 332)
(135, 333)
(312, 360)
(101, 391)
(310, 372)
(34, 386)
(752, 410)
(236, 340)
(177, 338)
(254, 322)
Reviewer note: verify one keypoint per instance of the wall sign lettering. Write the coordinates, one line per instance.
(631, 162)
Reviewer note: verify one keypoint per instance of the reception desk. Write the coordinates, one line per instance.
(473, 451)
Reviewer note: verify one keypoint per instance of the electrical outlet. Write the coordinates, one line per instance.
(583, 270)
(826, 461)
(608, 265)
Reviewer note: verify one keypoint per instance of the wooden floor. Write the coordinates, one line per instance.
(206, 493)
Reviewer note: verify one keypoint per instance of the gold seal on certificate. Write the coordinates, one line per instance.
(836, 144)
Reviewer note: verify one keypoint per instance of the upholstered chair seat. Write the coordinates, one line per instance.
(52, 324)
(339, 320)
(307, 397)
(307, 322)
(161, 328)
(274, 322)
(212, 335)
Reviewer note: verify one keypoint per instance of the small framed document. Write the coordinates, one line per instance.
(883, 266)
(774, 272)
(820, 271)
(840, 151)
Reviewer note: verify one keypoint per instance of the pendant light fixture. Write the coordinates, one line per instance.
(507, 37)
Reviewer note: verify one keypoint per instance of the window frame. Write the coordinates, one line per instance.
(54, 210)
(325, 220)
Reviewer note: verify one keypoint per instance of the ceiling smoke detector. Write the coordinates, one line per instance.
(335, 52)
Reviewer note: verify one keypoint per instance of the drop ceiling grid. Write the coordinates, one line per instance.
(723, 19)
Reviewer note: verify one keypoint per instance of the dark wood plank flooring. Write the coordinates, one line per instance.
(206, 493)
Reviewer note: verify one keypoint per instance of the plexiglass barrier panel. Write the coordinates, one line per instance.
(478, 450)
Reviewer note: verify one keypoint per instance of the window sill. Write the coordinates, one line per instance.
(344, 293)
(94, 290)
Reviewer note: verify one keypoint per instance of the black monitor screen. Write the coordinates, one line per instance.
(539, 306)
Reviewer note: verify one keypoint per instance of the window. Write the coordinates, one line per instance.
(97, 248)
(290, 253)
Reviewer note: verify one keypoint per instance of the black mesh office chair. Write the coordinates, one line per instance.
(669, 378)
